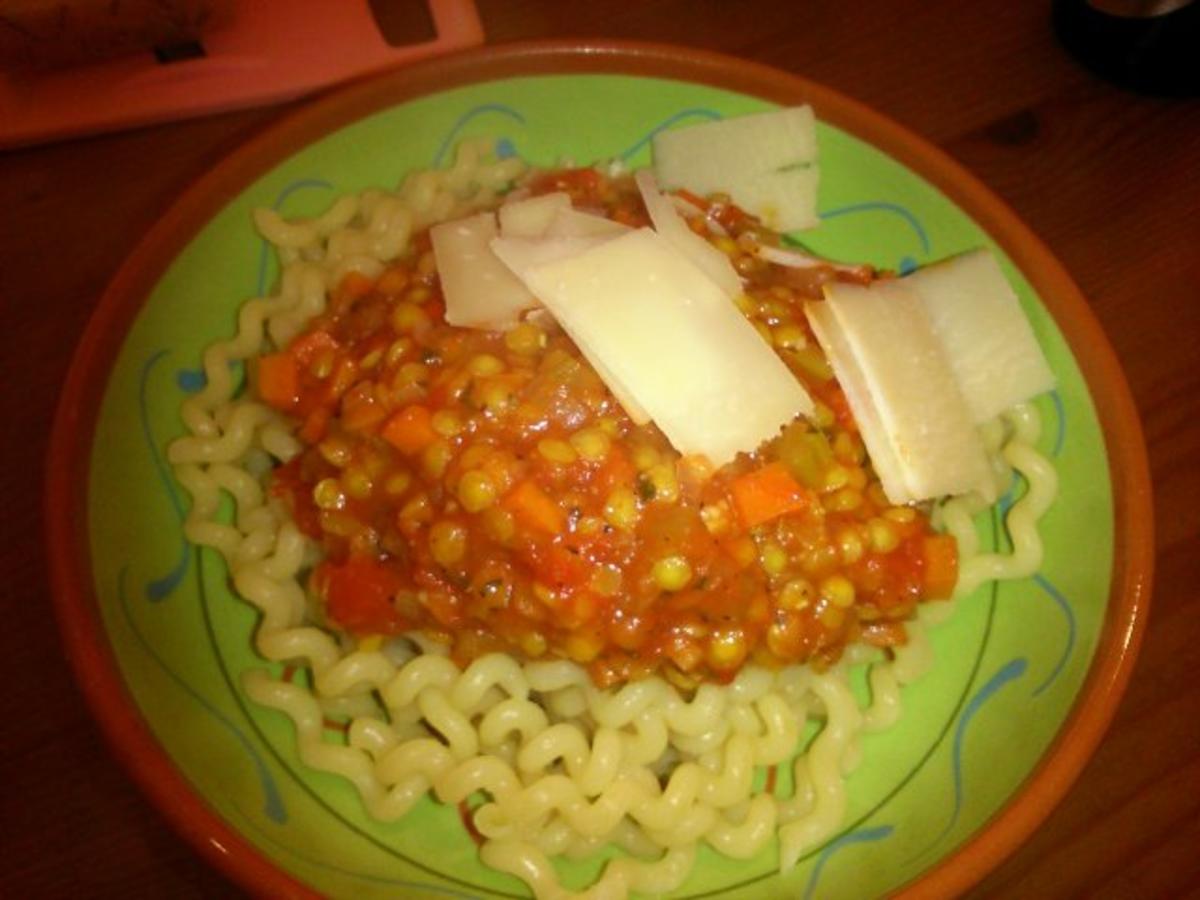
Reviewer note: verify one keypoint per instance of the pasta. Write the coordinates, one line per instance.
(653, 765)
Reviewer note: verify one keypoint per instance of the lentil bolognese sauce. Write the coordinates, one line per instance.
(487, 489)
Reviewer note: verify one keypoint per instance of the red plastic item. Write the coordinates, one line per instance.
(272, 50)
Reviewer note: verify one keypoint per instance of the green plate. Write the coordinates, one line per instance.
(1009, 665)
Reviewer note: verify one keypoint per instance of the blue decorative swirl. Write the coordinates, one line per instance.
(160, 588)
(1008, 672)
(1060, 410)
(1056, 595)
(272, 801)
(505, 148)
(190, 381)
(865, 836)
(697, 113)
(475, 112)
(883, 206)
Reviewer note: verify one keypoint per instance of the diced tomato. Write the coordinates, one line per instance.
(315, 425)
(306, 347)
(393, 281)
(558, 567)
(353, 286)
(729, 216)
(360, 409)
(583, 185)
(617, 471)
(288, 482)
(436, 310)
(841, 410)
(358, 595)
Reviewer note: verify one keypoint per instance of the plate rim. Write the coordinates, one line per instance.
(70, 448)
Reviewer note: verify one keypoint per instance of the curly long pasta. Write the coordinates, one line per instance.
(1024, 426)
(565, 768)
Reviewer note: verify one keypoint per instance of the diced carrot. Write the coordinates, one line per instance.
(616, 471)
(411, 430)
(533, 508)
(940, 554)
(306, 347)
(279, 380)
(767, 493)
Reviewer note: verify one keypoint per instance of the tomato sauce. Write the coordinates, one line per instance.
(488, 490)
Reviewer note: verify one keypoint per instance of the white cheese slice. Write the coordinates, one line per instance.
(532, 216)
(479, 290)
(523, 253)
(667, 222)
(888, 347)
(670, 338)
(766, 162)
(576, 223)
(854, 383)
(984, 332)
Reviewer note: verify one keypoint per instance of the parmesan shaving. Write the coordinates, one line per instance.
(766, 162)
(479, 290)
(898, 381)
(666, 335)
(984, 332)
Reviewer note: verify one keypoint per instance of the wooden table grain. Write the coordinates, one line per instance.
(1108, 178)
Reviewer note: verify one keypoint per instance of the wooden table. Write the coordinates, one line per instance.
(1110, 179)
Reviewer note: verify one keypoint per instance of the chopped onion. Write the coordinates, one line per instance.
(687, 208)
(794, 259)
(690, 210)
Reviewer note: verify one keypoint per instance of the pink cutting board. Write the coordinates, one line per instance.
(272, 50)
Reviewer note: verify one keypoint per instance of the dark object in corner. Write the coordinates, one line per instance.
(1149, 46)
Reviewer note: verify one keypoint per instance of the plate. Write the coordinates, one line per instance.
(1027, 673)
